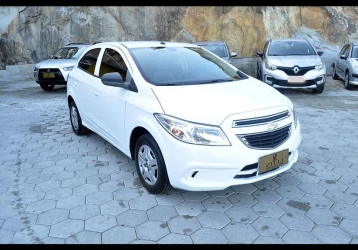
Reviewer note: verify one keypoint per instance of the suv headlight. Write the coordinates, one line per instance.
(68, 68)
(192, 132)
(319, 66)
(270, 66)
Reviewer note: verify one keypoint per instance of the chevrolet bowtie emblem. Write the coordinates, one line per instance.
(271, 126)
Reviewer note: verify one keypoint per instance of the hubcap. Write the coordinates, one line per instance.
(74, 118)
(148, 165)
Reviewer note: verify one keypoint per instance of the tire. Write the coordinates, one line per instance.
(334, 74)
(346, 82)
(47, 87)
(155, 177)
(76, 121)
(318, 90)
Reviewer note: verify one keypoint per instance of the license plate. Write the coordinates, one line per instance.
(48, 75)
(296, 79)
(272, 161)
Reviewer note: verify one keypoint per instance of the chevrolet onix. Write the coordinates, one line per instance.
(187, 118)
(291, 63)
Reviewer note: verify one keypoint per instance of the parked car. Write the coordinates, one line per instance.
(187, 118)
(219, 48)
(345, 65)
(54, 71)
(291, 63)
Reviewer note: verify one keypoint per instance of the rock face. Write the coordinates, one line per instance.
(30, 34)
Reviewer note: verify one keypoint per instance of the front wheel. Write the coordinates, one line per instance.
(47, 86)
(334, 74)
(76, 120)
(318, 90)
(150, 165)
(346, 82)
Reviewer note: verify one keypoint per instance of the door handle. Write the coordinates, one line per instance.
(95, 93)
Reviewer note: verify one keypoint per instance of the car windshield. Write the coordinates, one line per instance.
(218, 49)
(355, 52)
(182, 65)
(69, 52)
(288, 48)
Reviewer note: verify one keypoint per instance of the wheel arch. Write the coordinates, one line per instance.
(136, 133)
(69, 100)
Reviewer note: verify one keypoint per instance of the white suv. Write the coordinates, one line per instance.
(291, 63)
(188, 119)
(54, 71)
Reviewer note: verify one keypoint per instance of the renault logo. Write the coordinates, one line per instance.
(48, 71)
(271, 126)
(296, 69)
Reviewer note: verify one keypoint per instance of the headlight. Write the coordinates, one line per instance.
(319, 66)
(68, 68)
(191, 132)
(294, 117)
(270, 66)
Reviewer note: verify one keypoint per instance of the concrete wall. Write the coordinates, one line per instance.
(25, 72)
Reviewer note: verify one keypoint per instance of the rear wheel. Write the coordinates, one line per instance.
(47, 86)
(334, 74)
(150, 165)
(346, 82)
(76, 120)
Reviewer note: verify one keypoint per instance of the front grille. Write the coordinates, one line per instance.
(57, 72)
(260, 120)
(266, 140)
(284, 83)
(289, 70)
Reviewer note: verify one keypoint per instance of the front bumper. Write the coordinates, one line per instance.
(204, 168)
(353, 79)
(58, 77)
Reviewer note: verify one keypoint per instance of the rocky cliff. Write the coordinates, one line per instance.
(31, 33)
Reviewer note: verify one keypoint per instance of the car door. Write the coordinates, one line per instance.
(340, 62)
(110, 101)
(84, 84)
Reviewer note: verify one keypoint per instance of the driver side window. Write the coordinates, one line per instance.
(112, 61)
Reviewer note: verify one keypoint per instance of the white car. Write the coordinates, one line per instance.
(54, 71)
(188, 119)
(291, 63)
(345, 65)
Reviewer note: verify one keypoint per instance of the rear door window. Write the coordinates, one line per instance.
(89, 60)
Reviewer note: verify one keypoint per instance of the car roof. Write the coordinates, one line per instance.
(289, 39)
(77, 44)
(141, 44)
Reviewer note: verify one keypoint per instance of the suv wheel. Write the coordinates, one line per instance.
(47, 86)
(346, 81)
(76, 121)
(150, 165)
(334, 74)
(318, 90)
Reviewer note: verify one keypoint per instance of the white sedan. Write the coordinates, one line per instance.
(188, 119)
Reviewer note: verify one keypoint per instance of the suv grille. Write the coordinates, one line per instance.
(289, 70)
(266, 140)
(58, 75)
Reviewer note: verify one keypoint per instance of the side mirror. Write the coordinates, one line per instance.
(260, 54)
(320, 53)
(233, 54)
(112, 79)
(343, 57)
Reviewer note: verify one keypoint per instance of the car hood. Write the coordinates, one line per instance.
(290, 61)
(212, 103)
(56, 63)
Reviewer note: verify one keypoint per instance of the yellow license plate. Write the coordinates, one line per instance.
(272, 161)
(48, 75)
